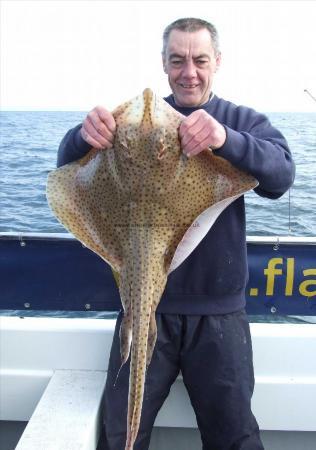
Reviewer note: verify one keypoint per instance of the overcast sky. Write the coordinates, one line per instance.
(73, 55)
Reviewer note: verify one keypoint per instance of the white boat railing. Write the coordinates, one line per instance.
(251, 239)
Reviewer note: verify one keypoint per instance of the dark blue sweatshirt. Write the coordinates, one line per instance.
(213, 278)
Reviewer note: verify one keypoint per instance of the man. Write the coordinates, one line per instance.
(202, 326)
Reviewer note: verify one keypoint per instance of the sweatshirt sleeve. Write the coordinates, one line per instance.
(262, 151)
(72, 147)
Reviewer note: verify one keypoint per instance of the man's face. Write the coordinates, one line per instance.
(190, 63)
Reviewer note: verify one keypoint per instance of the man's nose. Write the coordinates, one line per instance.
(189, 69)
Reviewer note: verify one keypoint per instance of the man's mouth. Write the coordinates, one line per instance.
(188, 86)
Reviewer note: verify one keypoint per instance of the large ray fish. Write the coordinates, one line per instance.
(143, 207)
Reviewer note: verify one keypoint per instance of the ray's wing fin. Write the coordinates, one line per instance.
(217, 183)
(74, 193)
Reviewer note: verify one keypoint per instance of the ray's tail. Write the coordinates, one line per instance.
(138, 366)
(140, 330)
(143, 278)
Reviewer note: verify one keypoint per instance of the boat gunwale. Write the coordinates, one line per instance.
(20, 236)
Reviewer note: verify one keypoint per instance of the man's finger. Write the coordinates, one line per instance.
(107, 118)
(101, 119)
(195, 133)
(98, 143)
(204, 145)
(190, 120)
(88, 127)
(99, 128)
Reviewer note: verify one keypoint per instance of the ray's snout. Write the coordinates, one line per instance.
(148, 104)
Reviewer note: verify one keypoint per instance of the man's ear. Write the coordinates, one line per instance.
(163, 58)
(218, 61)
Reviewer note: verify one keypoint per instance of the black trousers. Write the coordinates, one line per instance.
(214, 354)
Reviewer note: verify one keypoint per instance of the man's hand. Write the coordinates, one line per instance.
(98, 128)
(200, 131)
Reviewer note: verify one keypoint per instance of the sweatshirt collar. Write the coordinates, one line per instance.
(187, 110)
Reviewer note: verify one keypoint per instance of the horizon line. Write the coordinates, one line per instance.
(87, 110)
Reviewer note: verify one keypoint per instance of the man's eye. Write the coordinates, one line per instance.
(201, 62)
(176, 62)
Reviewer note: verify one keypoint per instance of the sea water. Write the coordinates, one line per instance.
(29, 143)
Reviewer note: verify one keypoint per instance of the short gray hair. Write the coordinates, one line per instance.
(191, 24)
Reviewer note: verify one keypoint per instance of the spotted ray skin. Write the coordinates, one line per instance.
(139, 206)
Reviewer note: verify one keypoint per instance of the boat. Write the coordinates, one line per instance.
(55, 346)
